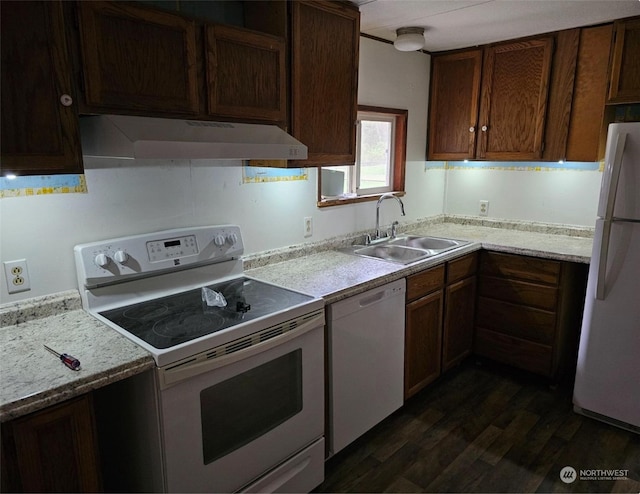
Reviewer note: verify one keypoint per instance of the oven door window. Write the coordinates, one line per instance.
(244, 407)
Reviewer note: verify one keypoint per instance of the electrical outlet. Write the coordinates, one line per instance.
(484, 208)
(308, 226)
(17, 276)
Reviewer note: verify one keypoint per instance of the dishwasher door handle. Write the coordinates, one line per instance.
(376, 297)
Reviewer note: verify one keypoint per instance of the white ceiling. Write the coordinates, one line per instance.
(451, 24)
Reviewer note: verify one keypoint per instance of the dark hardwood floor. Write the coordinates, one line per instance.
(486, 428)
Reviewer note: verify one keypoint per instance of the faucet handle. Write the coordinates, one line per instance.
(367, 239)
(394, 226)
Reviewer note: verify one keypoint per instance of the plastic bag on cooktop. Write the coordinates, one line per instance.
(213, 298)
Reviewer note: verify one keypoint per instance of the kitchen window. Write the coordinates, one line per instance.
(380, 160)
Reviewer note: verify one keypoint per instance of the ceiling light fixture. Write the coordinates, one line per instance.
(409, 39)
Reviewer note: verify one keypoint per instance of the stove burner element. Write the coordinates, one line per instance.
(185, 326)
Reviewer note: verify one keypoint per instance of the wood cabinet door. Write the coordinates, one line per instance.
(453, 107)
(457, 340)
(625, 66)
(324, 81)
(39, 129)
(587, 127)
(513, 105)
(55, 449)
(246, 74)
(138, 60)
(423, 342)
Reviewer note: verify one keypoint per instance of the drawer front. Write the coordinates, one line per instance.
(420, 284)
(520, 267)
(519, 292)
(516, 320)
(526, 355)
(464, 267)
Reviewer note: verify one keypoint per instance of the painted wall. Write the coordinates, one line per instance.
(126, 198)
(567, 195)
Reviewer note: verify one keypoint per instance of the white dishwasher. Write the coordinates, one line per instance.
(366, 357)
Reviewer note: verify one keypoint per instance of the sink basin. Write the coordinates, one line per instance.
(405, 249)
(393, 253)
(431, 243)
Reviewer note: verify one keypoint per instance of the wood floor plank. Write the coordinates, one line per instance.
(485, 429)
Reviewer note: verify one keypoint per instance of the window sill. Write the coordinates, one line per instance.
(354, 200)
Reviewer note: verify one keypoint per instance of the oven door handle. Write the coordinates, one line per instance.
(171, 375)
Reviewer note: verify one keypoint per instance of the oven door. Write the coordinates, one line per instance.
(229, 420)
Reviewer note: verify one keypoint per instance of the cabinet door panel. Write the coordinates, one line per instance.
(519, 292)
(462, 267)
(39, 135)
(453, 112)
(138, 59)
(246, 74)
(324, 81)
(422, 283)
(520, 267)
(517, 320)
(423, 340)
(514, 99)
(459, 315)
(625, 67)
(523, 354)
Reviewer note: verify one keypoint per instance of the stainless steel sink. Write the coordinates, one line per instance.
(393, 253)
(430, 243)
(405, 249)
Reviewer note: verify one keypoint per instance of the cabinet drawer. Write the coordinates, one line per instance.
(424, 282)
(526, 355)
(516, 320)
(520, 267)
(519, 292)
(462, 268)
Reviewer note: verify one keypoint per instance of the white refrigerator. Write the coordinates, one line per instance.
(607, 385)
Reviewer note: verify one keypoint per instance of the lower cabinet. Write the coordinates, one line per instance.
(439, 321)
(53, 450)
(529, 312)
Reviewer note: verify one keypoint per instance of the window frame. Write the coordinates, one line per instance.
(399, 154)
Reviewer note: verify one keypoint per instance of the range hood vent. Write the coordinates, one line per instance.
(127, 137)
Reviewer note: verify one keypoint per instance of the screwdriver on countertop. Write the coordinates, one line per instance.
(71, 362)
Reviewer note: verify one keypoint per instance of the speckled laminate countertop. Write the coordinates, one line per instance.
(31, 378)
(335, 275)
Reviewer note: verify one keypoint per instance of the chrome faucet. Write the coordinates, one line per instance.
(388, 195)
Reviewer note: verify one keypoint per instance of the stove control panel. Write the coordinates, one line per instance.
(120, 259)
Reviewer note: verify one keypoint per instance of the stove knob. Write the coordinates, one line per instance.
(121, 256)
(102, 260)
(232, 238)
(219, 240)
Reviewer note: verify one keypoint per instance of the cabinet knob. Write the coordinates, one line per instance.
(66, 100)
(472, 129)
(484, 128)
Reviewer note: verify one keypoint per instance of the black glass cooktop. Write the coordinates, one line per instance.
(169, 321)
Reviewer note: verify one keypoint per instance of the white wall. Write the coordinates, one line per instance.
(567, 197)
(125, 198)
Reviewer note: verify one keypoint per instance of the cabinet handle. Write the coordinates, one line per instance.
(484, 128)
(66, 100)
(472, 129)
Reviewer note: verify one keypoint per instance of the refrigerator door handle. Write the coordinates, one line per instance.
(614, 175)
(602, 260)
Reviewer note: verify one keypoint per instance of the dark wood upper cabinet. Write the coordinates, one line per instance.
(625, 64)
(39, 133)
(514, 100)
(453, 114)
(246, 74)
(137, 59)
(324, 80)
(509, 121)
